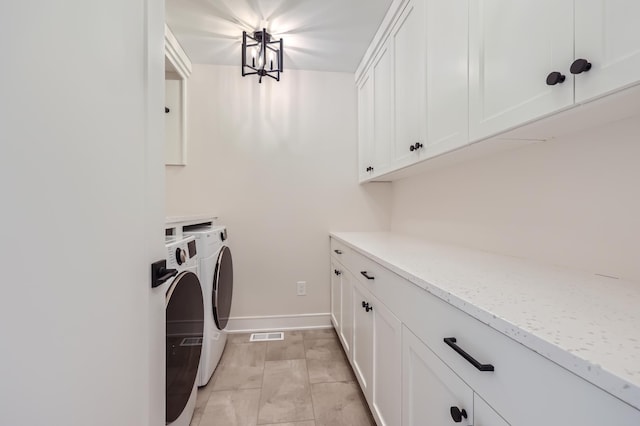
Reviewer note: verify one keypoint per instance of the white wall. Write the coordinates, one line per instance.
(277, 162)
(573, 202)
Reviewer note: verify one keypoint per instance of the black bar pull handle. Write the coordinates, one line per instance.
(367, 276)
(338, 251)
(451, 341)
(160, 273)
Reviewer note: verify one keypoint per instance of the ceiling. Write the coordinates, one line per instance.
(320, 35)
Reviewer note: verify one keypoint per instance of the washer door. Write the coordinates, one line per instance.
(185, 324)
(222, 288)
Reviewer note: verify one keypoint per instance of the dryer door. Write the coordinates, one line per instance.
(185, 323)
(222, 288)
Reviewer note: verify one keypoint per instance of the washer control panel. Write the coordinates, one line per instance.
(182, 254)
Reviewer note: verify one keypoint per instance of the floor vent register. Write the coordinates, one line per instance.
(266, 337)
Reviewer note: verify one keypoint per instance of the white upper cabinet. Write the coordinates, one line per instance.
(531, 59)
(365, 126)
(177, 72)
(447, 76)
(375, 115)
(607, 36)
(382, 109)
(419, 93)
(441, 74)
(409, 65)
(514, 46)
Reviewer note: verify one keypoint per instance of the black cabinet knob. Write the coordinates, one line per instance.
(368, 308)
(555, 78)
(415, 146)
(369, 169)
(579, 66)
(364, 304)
(457, 414)
(335, 271)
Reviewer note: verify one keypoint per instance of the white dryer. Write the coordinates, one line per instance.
(184, 331)
(216, 278)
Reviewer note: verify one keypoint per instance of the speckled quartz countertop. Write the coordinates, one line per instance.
(586, 323)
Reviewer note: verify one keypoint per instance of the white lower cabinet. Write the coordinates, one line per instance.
(434, 394)
(387, 362)
(341, 304)
(377, 355)
(431, 389)
(362, 339)
(336, 296)
(484, 415)
(421, 361)
(346, 326)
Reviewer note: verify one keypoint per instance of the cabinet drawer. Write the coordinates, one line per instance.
(343, 254)
(484, 415)
(371, 274)
(362, 267)
(338, 250)
(525, 388)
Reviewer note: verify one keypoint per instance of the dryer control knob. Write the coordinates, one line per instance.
(181, 256)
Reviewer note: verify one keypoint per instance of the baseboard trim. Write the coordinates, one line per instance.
(278, 322)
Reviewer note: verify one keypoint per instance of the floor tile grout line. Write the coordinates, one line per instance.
(306, 364)
(264, 368)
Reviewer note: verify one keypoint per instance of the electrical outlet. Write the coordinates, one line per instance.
(301, 287)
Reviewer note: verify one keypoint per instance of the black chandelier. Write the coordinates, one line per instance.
(261, 55)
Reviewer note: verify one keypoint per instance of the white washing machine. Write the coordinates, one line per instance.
(184, 331)
(216, 278)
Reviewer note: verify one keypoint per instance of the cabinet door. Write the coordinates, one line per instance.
(447, 76)
(346, 314)
(336, 295)
(514, 45)
(382, 109)
(387, 365)
(430, 388)
(365, 126)
(484, 415)
(174, 125)
(607, 36)
(409, 50)
(362, 339)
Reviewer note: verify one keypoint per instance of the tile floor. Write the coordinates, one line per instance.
(304, 380)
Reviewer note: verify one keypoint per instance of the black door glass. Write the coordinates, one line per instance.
(222, 288)
(184, 327)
